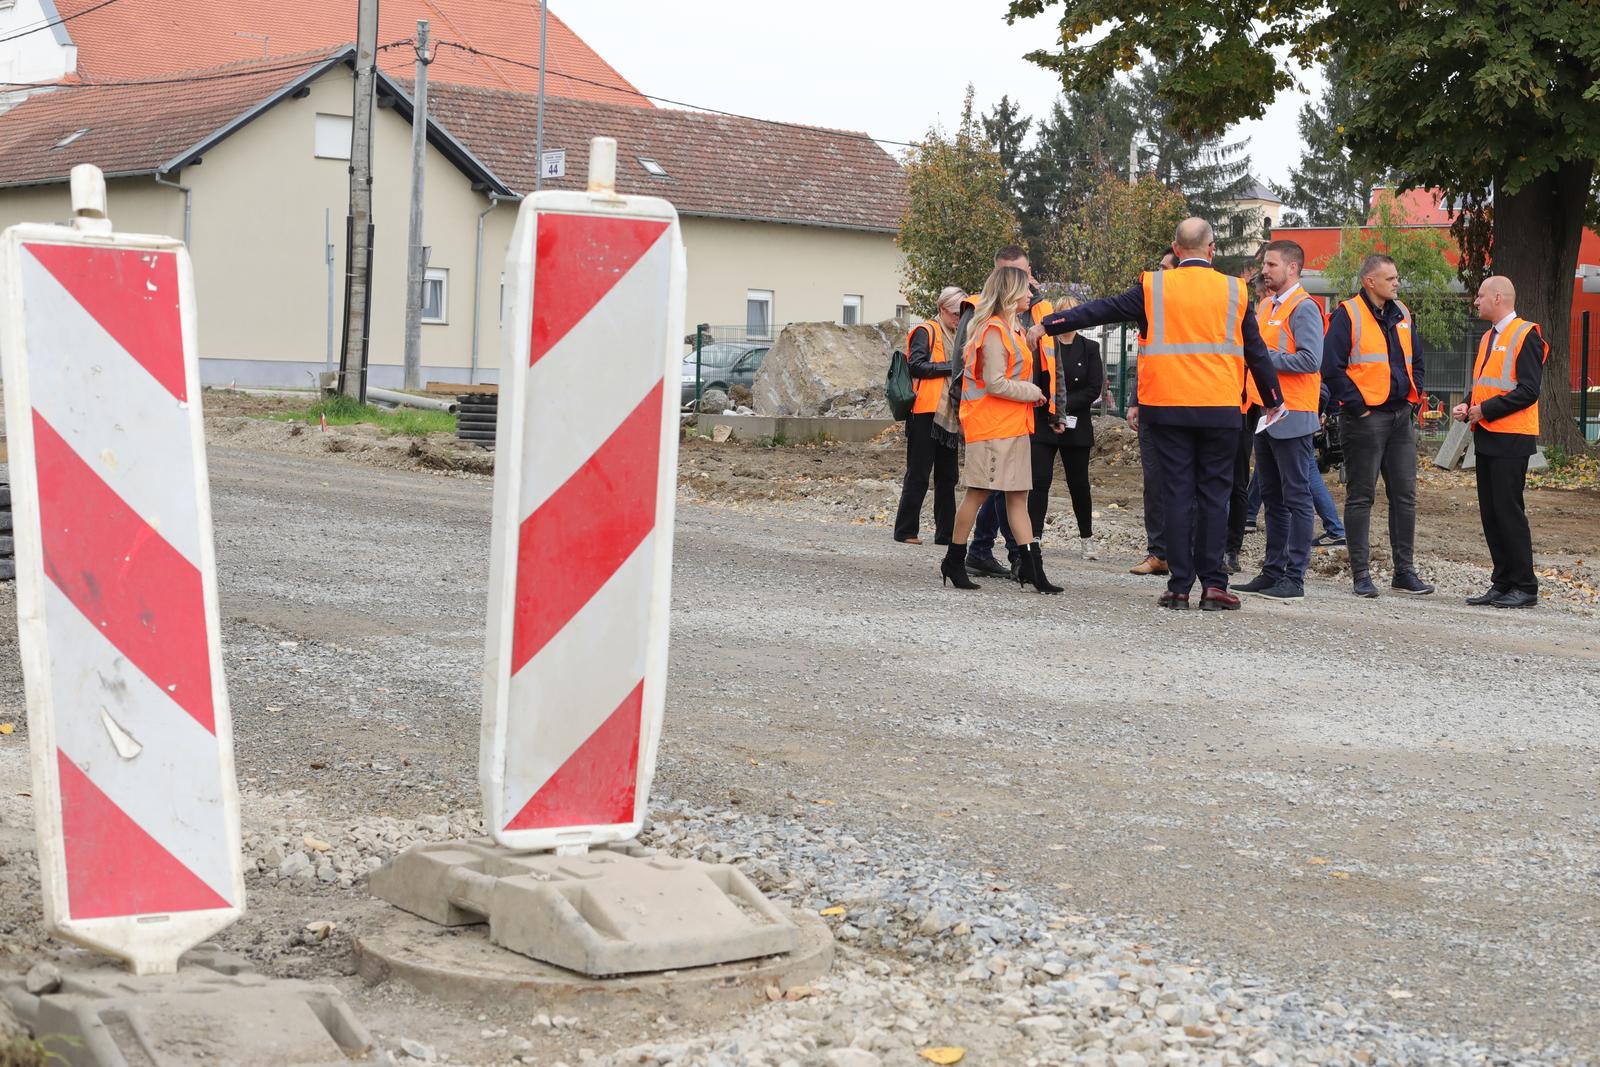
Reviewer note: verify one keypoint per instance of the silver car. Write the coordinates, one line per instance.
(723, 365)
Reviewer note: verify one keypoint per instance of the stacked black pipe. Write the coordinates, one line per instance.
(475, 417)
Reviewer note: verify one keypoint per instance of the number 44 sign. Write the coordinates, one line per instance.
(553, 164)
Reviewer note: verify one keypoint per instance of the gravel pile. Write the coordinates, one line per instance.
(933, 955)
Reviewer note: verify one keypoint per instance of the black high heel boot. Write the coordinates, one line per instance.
(1030, 570)
(954, 568)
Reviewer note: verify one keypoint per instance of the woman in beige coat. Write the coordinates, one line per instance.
(998, 397)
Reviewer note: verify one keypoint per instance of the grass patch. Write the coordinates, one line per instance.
(343, 411)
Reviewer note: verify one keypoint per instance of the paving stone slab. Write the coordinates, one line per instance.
(91, 1015)
(601, 913)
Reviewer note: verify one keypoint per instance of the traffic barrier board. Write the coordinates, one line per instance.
(135, 802)
(580, 576)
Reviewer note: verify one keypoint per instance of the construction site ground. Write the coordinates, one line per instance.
(1340, 831)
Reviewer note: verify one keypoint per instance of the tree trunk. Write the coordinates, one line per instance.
(1536, 234)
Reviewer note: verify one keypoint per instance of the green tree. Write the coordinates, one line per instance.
(1211, 171)
(1427, 280)
(957, 214)
(1006, 128)
(1329, 186)
(1493, 103)
(1120, 230)
(1083, 136)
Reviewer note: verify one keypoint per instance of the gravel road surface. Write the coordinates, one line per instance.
(1338, 809)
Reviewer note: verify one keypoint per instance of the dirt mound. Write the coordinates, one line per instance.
(365, 444)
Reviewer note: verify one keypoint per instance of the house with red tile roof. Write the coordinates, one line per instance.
(248, 161)
(121, 40)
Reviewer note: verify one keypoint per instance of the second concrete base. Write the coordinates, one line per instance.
(459, 964)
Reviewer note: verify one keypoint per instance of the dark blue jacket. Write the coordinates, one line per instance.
(1129, 307)
(1336, 359)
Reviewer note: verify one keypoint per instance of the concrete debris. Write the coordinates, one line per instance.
(819, 368)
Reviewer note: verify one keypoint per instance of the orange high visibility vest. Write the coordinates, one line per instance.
(1369, 351)
(1194, 354)
(1047, 349)
(1301, 392)
(992, 418)
(929, 390)
(1495, 374)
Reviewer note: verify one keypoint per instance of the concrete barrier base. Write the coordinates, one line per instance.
(460, 964)
(215, 1010)
(599, 913)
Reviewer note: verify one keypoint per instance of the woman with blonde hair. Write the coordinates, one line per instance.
(998, 397)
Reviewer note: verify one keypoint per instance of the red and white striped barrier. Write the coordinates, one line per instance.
(136, 805)
(580, 584)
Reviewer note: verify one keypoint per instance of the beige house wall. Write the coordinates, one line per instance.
(808, 269)
(262, 198)
(136, 205)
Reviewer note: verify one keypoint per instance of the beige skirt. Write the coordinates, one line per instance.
(1005, 465)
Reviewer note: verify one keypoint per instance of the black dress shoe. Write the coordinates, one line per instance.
(1516, 598)
(1488, 596)
(1231, 563)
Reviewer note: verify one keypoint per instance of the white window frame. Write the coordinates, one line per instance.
(328, 142)
(851, 300)
(442, 276)
(759, 295)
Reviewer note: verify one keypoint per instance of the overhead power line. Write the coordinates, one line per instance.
(40, 27)
(629, 90)
(187, 79)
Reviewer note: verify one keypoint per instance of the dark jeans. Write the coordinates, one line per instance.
(1501, 480)
(1196, 464)
(1075, 462)
(1286, 492)
(925, 455)
(1386, 442)
(1155, 534)
(992, 522)
(1238, 497)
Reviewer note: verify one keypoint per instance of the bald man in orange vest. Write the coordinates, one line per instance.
(1197, 338)
(1503, 411)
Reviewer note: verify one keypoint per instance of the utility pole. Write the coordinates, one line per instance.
(358, 224)
(538, 126)
(1133, 160)
(417, 254)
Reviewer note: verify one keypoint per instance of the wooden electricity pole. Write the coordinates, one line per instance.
(358, 224)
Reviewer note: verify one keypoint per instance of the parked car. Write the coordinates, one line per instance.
(723, 365)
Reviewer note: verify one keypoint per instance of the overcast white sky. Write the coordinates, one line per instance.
(888, 67)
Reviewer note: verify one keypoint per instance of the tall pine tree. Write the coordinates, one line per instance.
(1007, 127)
(1084, 136)
(1329, 187)
(1211, 172)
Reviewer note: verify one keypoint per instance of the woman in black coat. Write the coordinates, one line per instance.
(1080, 377)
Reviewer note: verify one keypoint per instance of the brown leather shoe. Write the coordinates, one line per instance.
(1175, 601)
(1216, 599)
(1151, 565)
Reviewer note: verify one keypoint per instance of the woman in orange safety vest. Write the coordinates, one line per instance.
(998, 397)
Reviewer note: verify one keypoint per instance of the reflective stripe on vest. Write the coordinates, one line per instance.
(1047, 349)
(1495, 374)
(1301, 391)
(1369, 351)
(985, 417)
(929, 390)
(1194, 354)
